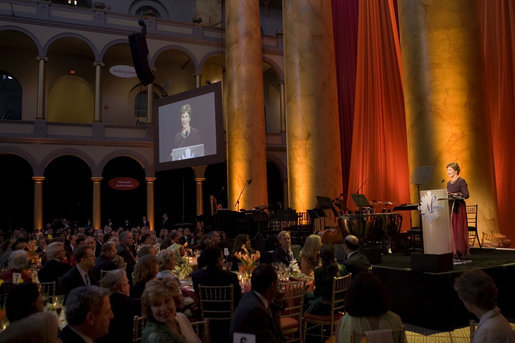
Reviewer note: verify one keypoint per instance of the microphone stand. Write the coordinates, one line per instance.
(237, 203)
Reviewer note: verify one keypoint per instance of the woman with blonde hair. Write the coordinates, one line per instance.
(163, 324)
(310, 255)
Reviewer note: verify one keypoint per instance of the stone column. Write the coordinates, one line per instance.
(312, 125)
(197, 76)
(200, 204)
(150, 201)
(38, 201)
(445, 119)
(246, 145)
(41, 88)
(150, 103)
(97, 210)
(98, 91)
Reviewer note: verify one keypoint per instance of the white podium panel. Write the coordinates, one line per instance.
(434, 207)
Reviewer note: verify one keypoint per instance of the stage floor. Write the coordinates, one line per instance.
(428, 300)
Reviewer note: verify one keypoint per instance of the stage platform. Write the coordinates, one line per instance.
(428, 300)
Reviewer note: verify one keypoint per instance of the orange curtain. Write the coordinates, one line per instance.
(497, 19)
(379, 157)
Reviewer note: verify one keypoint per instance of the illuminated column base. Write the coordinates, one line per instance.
(97, 212)
(312, 125)
(38, 202)
(150, 202)
(445, 117)
(246, 145)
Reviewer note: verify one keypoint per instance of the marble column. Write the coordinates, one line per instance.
(150, 201)
(97, 218)
(150, 102)
(98, 91)
(41, 88)
(199, 172)
(197, 76)
(445, 117)
(312, 125)
(246, 144)
(38, 202)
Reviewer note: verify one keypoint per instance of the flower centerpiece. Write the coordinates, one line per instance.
(248, 261)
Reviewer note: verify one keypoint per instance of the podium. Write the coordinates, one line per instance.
(437, 257)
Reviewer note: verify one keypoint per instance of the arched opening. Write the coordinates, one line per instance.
(175, 194)
(274, 185)
(272, 99)
(17, 202)
(67, 190)
(119, 202)
(10, 97)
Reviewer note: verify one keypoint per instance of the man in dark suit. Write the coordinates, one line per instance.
(81, 274)
(106, 259)
(355, 262)
(99, 241)
(214, 275)
(55, 266)
(88, 313)
(258, 311)
(283, 254)
(128, 252)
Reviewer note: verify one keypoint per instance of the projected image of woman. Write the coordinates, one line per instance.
(188, 135)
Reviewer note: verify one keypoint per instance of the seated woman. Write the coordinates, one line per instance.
(240, 240)
(145, 269)
(17, 263)
(158, 308)
(319, 302)
(310, 255)
(367, 305)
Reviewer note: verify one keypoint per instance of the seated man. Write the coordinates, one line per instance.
(478, 293)
(258, 312)
(355, 261)
(81, 274)
(124, 308)
(284, 254)
(105, 261)
(88, 313)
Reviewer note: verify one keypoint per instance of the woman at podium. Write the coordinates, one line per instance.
(458, 192)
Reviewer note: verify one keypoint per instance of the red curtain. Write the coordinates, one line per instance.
(345, 27)
(497, 19)
(379, 158)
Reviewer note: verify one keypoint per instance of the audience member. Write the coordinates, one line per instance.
(158, 307)
(310, 255)
(146, 249)
(17, 264)
(36, 328)
(166, 262)
(105, 261)
(258, 312)
(478, 293)
(320, 302)
(355, 261)
(128, 252)
(23, 300)
(56, 265)
(145, 269)
(88, 313)
(124, 308)
(367, 305)
(99, 241)
(81, 274)
(283, 254)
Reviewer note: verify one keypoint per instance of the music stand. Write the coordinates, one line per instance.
(360, 200)
(324, 202)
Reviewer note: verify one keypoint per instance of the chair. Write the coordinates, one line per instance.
(381, 335)
(217, 305)
(201, 328)
(472, 224)
(291, 315)
(340, 286)
(137, 330)
(216, 302)
(47, 288)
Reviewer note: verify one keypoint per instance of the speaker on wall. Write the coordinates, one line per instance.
(139, 51)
